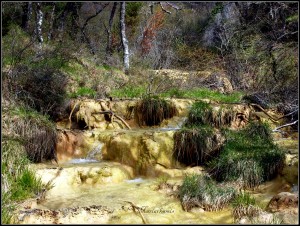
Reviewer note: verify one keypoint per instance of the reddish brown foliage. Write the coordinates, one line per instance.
(153, 25)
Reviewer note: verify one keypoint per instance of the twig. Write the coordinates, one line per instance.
(285, 125)
(138, 209)
(113, 114)
(70, 121)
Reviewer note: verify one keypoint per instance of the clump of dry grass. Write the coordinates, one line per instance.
(151, 111)
(36, 132)
(196, 145)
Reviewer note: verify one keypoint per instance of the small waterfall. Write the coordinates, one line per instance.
(171, 128)
(91, 157)
(95, 151)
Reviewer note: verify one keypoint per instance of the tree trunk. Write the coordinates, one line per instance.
(51, 22)
(62, 19)
(27, 11)
(109, 41)
(39, 22)
(123, 37)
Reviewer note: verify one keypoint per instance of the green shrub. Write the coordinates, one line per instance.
(43, 89)
(151, 111)
(249, 157)
(202, 191)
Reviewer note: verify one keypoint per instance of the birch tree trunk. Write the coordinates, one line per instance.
(123, 37)
(39, 22)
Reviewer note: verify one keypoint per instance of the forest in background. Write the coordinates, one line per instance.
(54, 51)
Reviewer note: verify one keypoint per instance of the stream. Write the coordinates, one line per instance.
(103, 182)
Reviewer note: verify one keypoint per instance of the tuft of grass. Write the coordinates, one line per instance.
(83, 92)
(18, 182)
(151, 111)
(249, 157)
(26, 185)
(203, 93)
(200, 114)
(173, 92)
(202, 191)
(203, 113)
(244, 206)
(195, 145)
(129, 92)
(36, 132)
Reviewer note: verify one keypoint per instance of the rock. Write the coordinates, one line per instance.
(283, 202)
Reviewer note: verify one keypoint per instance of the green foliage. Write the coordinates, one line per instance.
(249, 157)
(199, 114)
(244, 206)
(173, 93)
(26, 113)
(214, 95)
(132, 16)
(203, 93)
(83, 92)
(244, 198)
(202, 191)
(151, 111)
(132, 9)
(292, 18)
(18, 182)
(129, 92)
(26, 186)
(217, 9)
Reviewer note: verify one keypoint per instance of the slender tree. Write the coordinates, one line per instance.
(26, 16)
(123, 37)
(39, 22)
(51, 21)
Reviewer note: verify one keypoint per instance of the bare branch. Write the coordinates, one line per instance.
(91, 17)
(173, 6)
(166, 11)
(285, 125)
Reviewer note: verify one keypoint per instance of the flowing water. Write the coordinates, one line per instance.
(107, 192)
